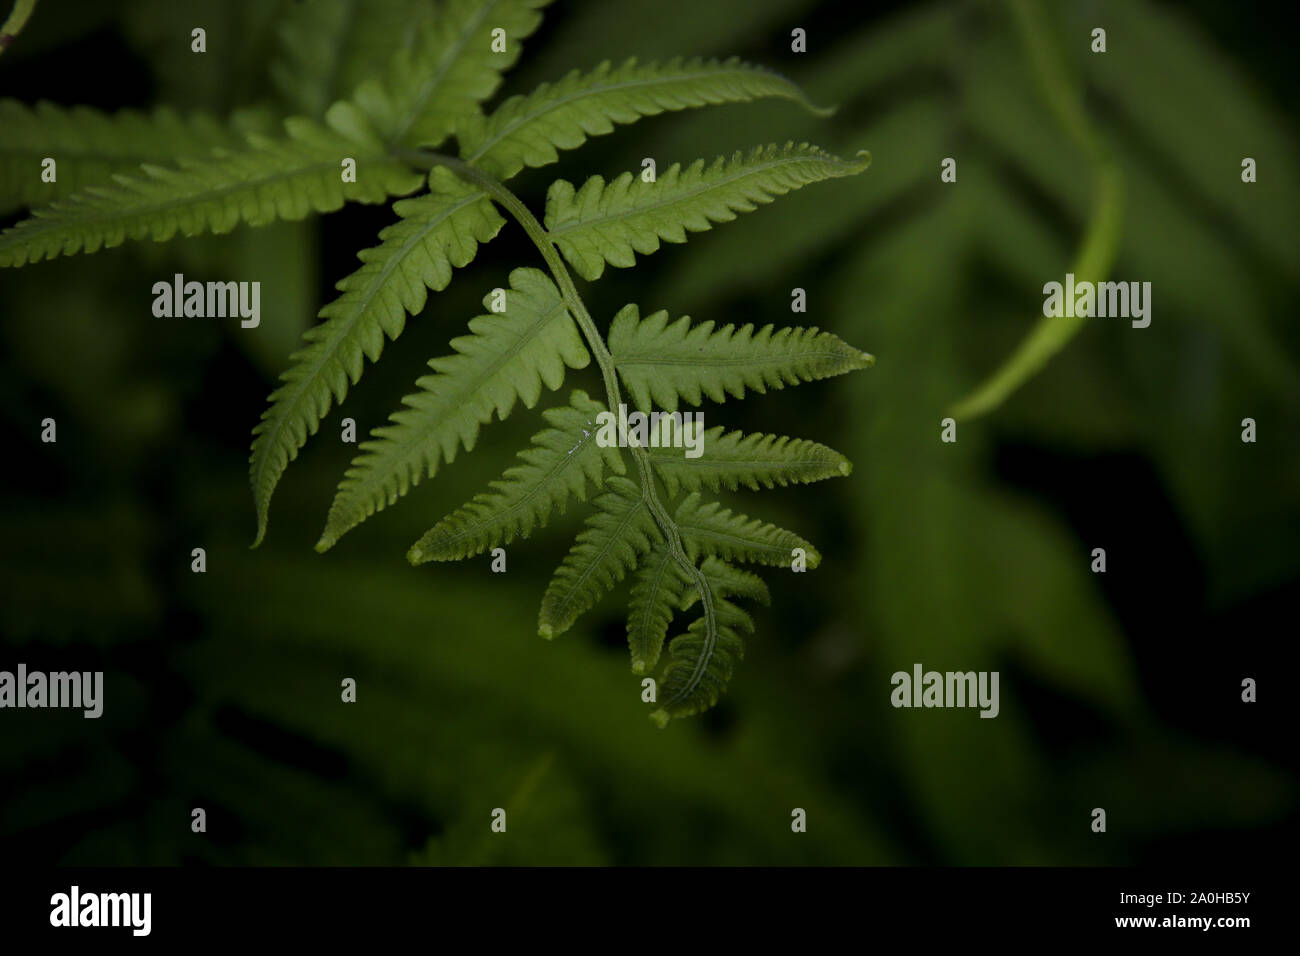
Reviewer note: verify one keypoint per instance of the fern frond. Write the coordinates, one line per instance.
(700, 667)
(707, 528)
(603, 222)
(660, 585)
(381, 83)
(272, 179)
(435, 86)
(89, 146)
(755, 461)
(328, 47)
(661, 363)
(530, 130)
(618, 533)
(563, 460)
(508, 357)
(434, 233)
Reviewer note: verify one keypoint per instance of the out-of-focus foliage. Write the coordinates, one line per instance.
(1118, 690)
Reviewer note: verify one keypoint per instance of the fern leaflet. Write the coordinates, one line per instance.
(329, 47)
(509, 357)
(564, 460)
(727, 580)
(530, 130)
(755, 461)
(662, 363)
(617, 534)
(432, 88)
(434, 233)
(90, 146)
(660, 586)
(273, 179)
(701, 664)
(709, 529)
(602, 222)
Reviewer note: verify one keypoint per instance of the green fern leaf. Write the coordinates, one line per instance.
(618, 533)
(707, 528)
(563, 460)
(509, 356)
(89, 146)
(727, 580)
(530, 130)
(329, 47)
(434, 233)
(661, 583)
(602, 222)
(661, 363)
(380, 83)
(273, 179)
(700, 667)
(434, 87)
(755, 461)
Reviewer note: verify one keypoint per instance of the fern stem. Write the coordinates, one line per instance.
(512, 204)
(1100, 244)
(14, 24)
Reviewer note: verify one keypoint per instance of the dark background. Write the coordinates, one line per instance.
(1119, 691)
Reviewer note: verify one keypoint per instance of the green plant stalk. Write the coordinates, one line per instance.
(17, 19)
(1052, 333)
(1100, 243)
(613, 398)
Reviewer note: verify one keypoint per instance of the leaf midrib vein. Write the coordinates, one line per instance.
(712, 361)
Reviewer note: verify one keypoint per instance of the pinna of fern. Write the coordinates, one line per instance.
(650, 518)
